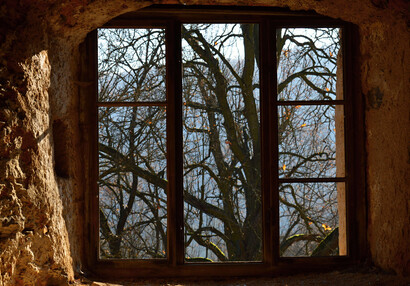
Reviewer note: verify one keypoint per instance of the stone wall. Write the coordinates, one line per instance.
(33, 233)
(41, 178)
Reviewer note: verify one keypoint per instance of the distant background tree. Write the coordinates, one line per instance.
(222, 147)
(132, 144)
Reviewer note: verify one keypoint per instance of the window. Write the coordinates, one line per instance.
(224, 142)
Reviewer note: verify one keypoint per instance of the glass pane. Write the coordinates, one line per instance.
(309, 219)
(311, 141)
(131, 65)
(222, 173)
(309, 64)
(132, 182)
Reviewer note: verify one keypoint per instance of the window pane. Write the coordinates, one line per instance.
(132, 182)
(309, 137)
(309, 219)
(131, 65)
(222, 174)
(308, 60)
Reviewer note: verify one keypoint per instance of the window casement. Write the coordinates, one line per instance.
(222, 142)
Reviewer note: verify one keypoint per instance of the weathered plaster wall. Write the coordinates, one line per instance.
(386, 88)
(33, 236)
(41, 178)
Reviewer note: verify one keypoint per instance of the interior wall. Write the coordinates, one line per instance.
(41, 176)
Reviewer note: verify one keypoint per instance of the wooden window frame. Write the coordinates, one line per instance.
(269, 19)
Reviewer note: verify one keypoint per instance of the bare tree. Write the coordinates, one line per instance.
(222, 147)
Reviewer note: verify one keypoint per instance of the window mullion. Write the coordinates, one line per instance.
(266, 140)
(274, 140)
(174, 98)
(269, 122)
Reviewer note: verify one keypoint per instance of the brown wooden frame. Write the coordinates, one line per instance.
(268, 19)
